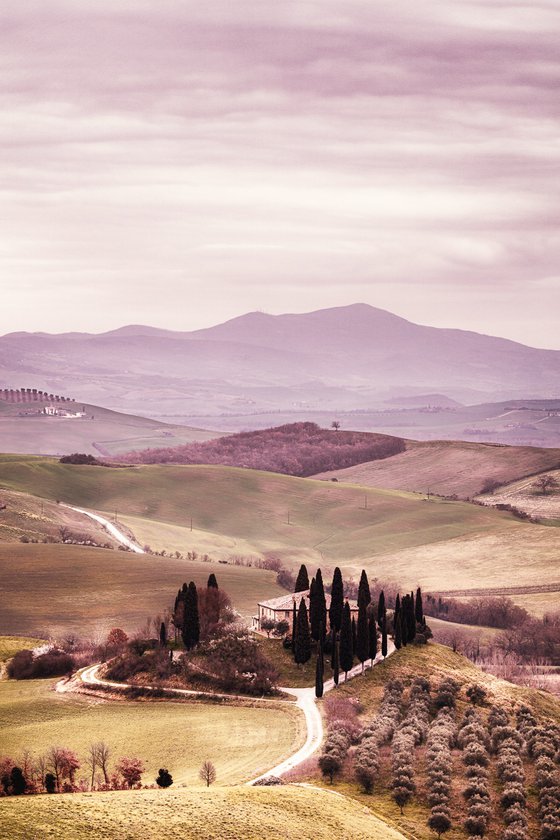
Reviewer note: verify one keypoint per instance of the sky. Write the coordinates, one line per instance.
(178, 163)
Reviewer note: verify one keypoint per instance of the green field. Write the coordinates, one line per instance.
(100, 432)
(242, 742)
(9, 645)
(448, 467)
(51, 590)
(395, 535)
(239, 813)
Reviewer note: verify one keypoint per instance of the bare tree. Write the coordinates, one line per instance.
(545, 484)
(335, 425)
(207, 773)
(103, 753)
(92, 761)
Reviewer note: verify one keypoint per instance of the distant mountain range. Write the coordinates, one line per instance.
(344, 359)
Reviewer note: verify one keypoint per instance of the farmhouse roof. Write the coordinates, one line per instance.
(286, 602)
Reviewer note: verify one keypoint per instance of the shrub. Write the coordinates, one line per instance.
(54, 663)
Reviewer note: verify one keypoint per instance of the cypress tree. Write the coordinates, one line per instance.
(346, 653)
(419, 607)
(410, 619)
(302, 651)
(372, 637)
(314, 617)
(397, 631)
(337, 600)
(362, 640)
(336, 660)
(321, 605)
(354, 635)
(163, 635)
(381, 609)
(191, 622)
(384, 638)
(294, 628)
(397, 604)
(302, 580)
(364, 595)
(212, 582)
(319, 671)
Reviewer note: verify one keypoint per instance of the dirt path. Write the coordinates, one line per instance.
(112, 529)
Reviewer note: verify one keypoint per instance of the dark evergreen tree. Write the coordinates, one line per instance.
(164, 778)
(336, 659)
(409, 624)
(346, 652)
(397, 604)
(354, 635)
(319, 671)
(372, 636)
(381, 611)
(294, 628)
(212, 582)
(321, 603)
(419, 607)
(364, 595)
(163, 635)
(302, 580)
(397, 632)
(362, 640)
(314, 617)
(302, 647)
(384, 638)
(337, 600)
(191, 622)
(18, 781)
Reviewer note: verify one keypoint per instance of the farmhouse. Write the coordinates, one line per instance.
(281, 609)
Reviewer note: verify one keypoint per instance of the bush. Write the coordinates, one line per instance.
(55, 663)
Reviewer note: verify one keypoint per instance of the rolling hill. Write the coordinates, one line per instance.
(395, 535)
(100, 432)
(339, 359)
(449, 467)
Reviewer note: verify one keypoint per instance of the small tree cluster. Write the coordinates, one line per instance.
(508, 744)
(418, 716)
(383, 725)
(473, 738)
(441, 737)
(542, 746)
(333, 756)
(366, 763)
(402, 765)
(446, 694)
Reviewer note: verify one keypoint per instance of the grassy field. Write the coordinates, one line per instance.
(268, 511)
(55, 589)
(31, 518)
(434, 662)
(522, 495)
(9, 645)
(100, 432)
(286, 813)
(450, 467)
(241, 741)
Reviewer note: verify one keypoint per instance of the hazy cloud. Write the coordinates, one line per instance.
(179, 163)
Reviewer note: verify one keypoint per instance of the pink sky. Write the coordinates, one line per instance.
(178, 163)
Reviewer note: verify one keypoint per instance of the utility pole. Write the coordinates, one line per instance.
(365, 501)
(288, 517)
(191, 523)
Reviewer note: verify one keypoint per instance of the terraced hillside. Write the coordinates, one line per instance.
(450, 467)
(523, 495)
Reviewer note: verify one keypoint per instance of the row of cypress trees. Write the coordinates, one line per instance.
(347, 638)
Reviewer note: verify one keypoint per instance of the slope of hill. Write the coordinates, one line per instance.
(296, 449)
(336, 359)
(523, 495)
(237, 813)
(99, 432)
(393, 534)
(449, 467)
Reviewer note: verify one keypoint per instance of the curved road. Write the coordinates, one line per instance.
(112, 529)
(305, 697)
(305, 700)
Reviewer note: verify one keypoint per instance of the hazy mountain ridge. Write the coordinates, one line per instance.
(343, 358)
